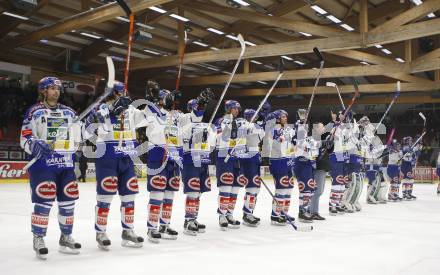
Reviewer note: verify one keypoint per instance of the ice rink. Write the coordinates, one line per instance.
(397, 238)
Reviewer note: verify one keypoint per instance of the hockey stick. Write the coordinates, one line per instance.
(332, 84)
(306, 228)
(107, 92)
(424, 119)
(281, 72)
(396, 95)
(240, 57)
(182, 55)
(321, 66)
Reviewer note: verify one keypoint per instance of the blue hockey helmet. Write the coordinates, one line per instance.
(193, 105)
(163, 93)
(49, 81)
(248, 114)
(119, 87)
(230, 104)
(407, 140)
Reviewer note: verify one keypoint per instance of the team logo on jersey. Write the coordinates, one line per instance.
(311, 183)
(301, 186)
(284, 181)
(26, 132)
(208, 183)
(71, 190)
(292, 181)
(242, 180)
(158, 182)
(346, 179)
(109, 184)
(340, 179)
(132, 184)
(46, 190)
(227, 178)
(175, 183)
(256, 180)
(194, 183)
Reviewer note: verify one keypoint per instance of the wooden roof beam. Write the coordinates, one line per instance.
(408, 16)
(81, 20)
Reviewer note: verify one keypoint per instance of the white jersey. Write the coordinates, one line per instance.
(112, 131)
(340, 142)
(230, 135)
(254, 134)
(394, 157)
(280, 142)
(306, 146)
(54, 126)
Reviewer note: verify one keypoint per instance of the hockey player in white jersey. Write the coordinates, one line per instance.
(410, 154)
(198, 142)
(48, 135)
(227, 163)
(306, 151)
(163, 160)
(280, 140)
(250, 161)
(393, 170)
(114, 123)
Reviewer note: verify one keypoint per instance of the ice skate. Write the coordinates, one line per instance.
(153, 236)
(40, 247)
(332, 211)
(130, 239)
(305, 217)
(200, 227)
(167, 232)
(68, 245)
(190, 228)
(250, 220)
(103, 241)
(232, 223)
(223, 222)
(279, 221)
(357, 206)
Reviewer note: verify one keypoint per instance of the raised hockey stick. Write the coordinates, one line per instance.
(332, 84)
(108, 90)
(182, 55)
(424, 119)
(306, 228)
(396, 95)
(231, 76)
(321, 66)
(281, 72)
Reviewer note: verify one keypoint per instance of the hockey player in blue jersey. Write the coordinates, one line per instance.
(114, 123)
(49, 135)
(198, 142)
(438, 173)
(227, 164)
(280, 140)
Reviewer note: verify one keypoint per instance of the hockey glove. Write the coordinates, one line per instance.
(39, 148)
(121, 104)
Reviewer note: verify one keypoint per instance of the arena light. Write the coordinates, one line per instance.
(157, 9)
(256, 62)
(262, 82)
(215, 31)
(431, 15)
(232, 37)
(114, 41)
(347, 27)
(145, 26)
(178, 17)
(364, 63)
(334, 19)
(214, 48)
(400, 60)
(200, 43)
(250, 43)
(318, 9)
(152, 52)
(15, 15)
(243, 3)
(378, 46)
(90, 35)
(286, 57)
(123, 19)
(299, 62)
(305, 34)
(386, 51)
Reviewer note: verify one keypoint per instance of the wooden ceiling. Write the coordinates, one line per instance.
(57, 35)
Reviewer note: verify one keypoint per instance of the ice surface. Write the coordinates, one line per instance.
(397, 238)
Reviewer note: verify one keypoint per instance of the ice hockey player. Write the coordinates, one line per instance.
(49, 135)
(393, 170)
(410, 153)
(306, 151)
(250, 161)
(198, 142)
(163, 160)
(280, 138)
(114, 123)
(350, 199)
(227, 164)
(338, 159)
(438, 173)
